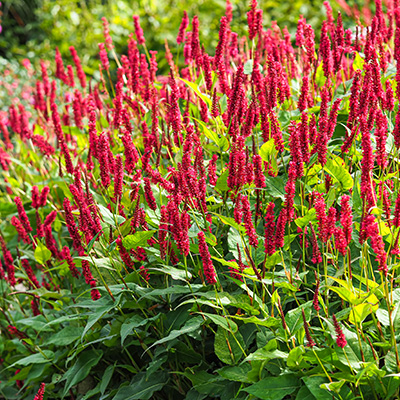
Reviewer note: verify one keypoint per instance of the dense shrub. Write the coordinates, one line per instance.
(227, 230)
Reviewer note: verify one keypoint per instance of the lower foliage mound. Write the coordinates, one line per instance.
(230, 230)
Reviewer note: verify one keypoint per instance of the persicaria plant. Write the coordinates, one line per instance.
(226, 227)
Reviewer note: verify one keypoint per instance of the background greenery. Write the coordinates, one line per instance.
(33, 28)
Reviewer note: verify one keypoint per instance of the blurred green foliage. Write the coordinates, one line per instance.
(33, 28)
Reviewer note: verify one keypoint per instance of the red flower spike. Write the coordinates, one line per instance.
(50, 218)
(212, 170)
(195, 51)
(280, 229)
(269, 242)
(320, 208)
(316, 254)
(219, 62)
(259, 178)
(31, 276)
(79, 70)
(346, 217)
(40, 393)
(104, 56)
(325, 50)
(340, 241)
(61, 139)
(118, 178)
(340, 338)
(330, 222)
(71, 226)
(144, 272)
(310, 341)
(182, 28)
(126, 258)
(315, 298)
(22, 233)
(305, 100)
(138, 30)
(333, 118)
(252, 20)
(248, 222)
(60, 71)
(175, 113)
(381, 137)
(163, 231)
(106, 33)
(35, 306)
(290, 189)
(296, 163)
(103, 150)
(22, 215)
(208, 266)
(66, 255)
(148, 194)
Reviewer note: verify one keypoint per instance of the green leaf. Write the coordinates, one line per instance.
(294, 318)
(42, 253)
(304, 394)
(390, 360)
(175, 273)
(232, 264)
(109, 218)
(301, 222)
(320, 78)
(223, 103)
(229, 354)
(270, 322)
(141, 388)
(191, 326)
(360, 312)
(92, 242)
(276, 186)
(295, 359)
(231, 222)
(268, 150)
(274, 388)
(80, 370)
(221, 142)
(138, 239)
(99, 313)
(314, 383)
(335, 167)
(237, 373)
(248, 67)
(358, 62)
(396, 317)
(155, 364)
(38, 358)
(66, 336)
(196, 89)
(134, 322)
(39, 322)
(222, 185)
(383, 317)
(221, 321)
(268, 352)
(105, 380)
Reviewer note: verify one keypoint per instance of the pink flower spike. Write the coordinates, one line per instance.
(340, 338)
(182, 29)
(138, 30)
(40, 393)
(208, 266)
